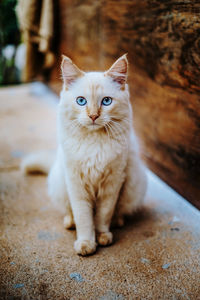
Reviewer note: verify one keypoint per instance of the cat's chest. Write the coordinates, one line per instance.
(94, 163)
(93, 154)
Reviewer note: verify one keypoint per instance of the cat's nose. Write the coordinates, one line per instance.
(93, 117)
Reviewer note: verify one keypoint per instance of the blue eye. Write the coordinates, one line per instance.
(106, 101)
(81, 101)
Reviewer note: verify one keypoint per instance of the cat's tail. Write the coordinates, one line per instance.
(38, 162)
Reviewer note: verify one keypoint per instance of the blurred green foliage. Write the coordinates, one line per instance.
(9, 29)
(9, 35)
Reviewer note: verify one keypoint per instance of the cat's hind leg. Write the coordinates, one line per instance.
(133, 191)
(69, 219)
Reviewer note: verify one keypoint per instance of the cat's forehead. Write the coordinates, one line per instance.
(94, 83)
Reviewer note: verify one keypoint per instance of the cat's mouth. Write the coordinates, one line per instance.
(94, 126)
(90, 125)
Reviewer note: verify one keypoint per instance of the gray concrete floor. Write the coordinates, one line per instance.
(155, 256)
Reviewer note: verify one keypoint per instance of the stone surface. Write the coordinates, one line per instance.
(155, 256)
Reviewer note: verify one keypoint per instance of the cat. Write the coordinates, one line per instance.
(97, 172)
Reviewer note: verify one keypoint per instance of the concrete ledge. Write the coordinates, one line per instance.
(155, 256)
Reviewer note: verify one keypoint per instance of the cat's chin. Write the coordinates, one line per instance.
(93, 127)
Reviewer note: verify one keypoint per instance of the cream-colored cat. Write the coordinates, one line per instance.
(97, 172)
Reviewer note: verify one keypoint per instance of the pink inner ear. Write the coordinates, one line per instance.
(120, 78)
(118, 71)
(70, 71)
(120, 67)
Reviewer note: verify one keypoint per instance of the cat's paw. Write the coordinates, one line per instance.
(69, 222)
(84, 247)
(104, 238)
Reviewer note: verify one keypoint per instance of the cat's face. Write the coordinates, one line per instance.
(95, 100)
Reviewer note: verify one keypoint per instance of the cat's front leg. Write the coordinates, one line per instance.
(104, 211)
(82, 208)
(83, 214)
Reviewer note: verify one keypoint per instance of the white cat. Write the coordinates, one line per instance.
(97, 172)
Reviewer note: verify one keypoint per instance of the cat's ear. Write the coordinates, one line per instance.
(70, 72)
(119, 70)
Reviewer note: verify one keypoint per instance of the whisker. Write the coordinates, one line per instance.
(113, 118)
(107, 131)
(119, 126)
(118, 133)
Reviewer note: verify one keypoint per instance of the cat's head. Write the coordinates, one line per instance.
(95, 100)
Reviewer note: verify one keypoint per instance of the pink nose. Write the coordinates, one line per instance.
(93, 117)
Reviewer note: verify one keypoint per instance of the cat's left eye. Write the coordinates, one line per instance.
(81, 101)
(106, 101)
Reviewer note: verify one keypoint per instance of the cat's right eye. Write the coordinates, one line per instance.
(81, 101)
